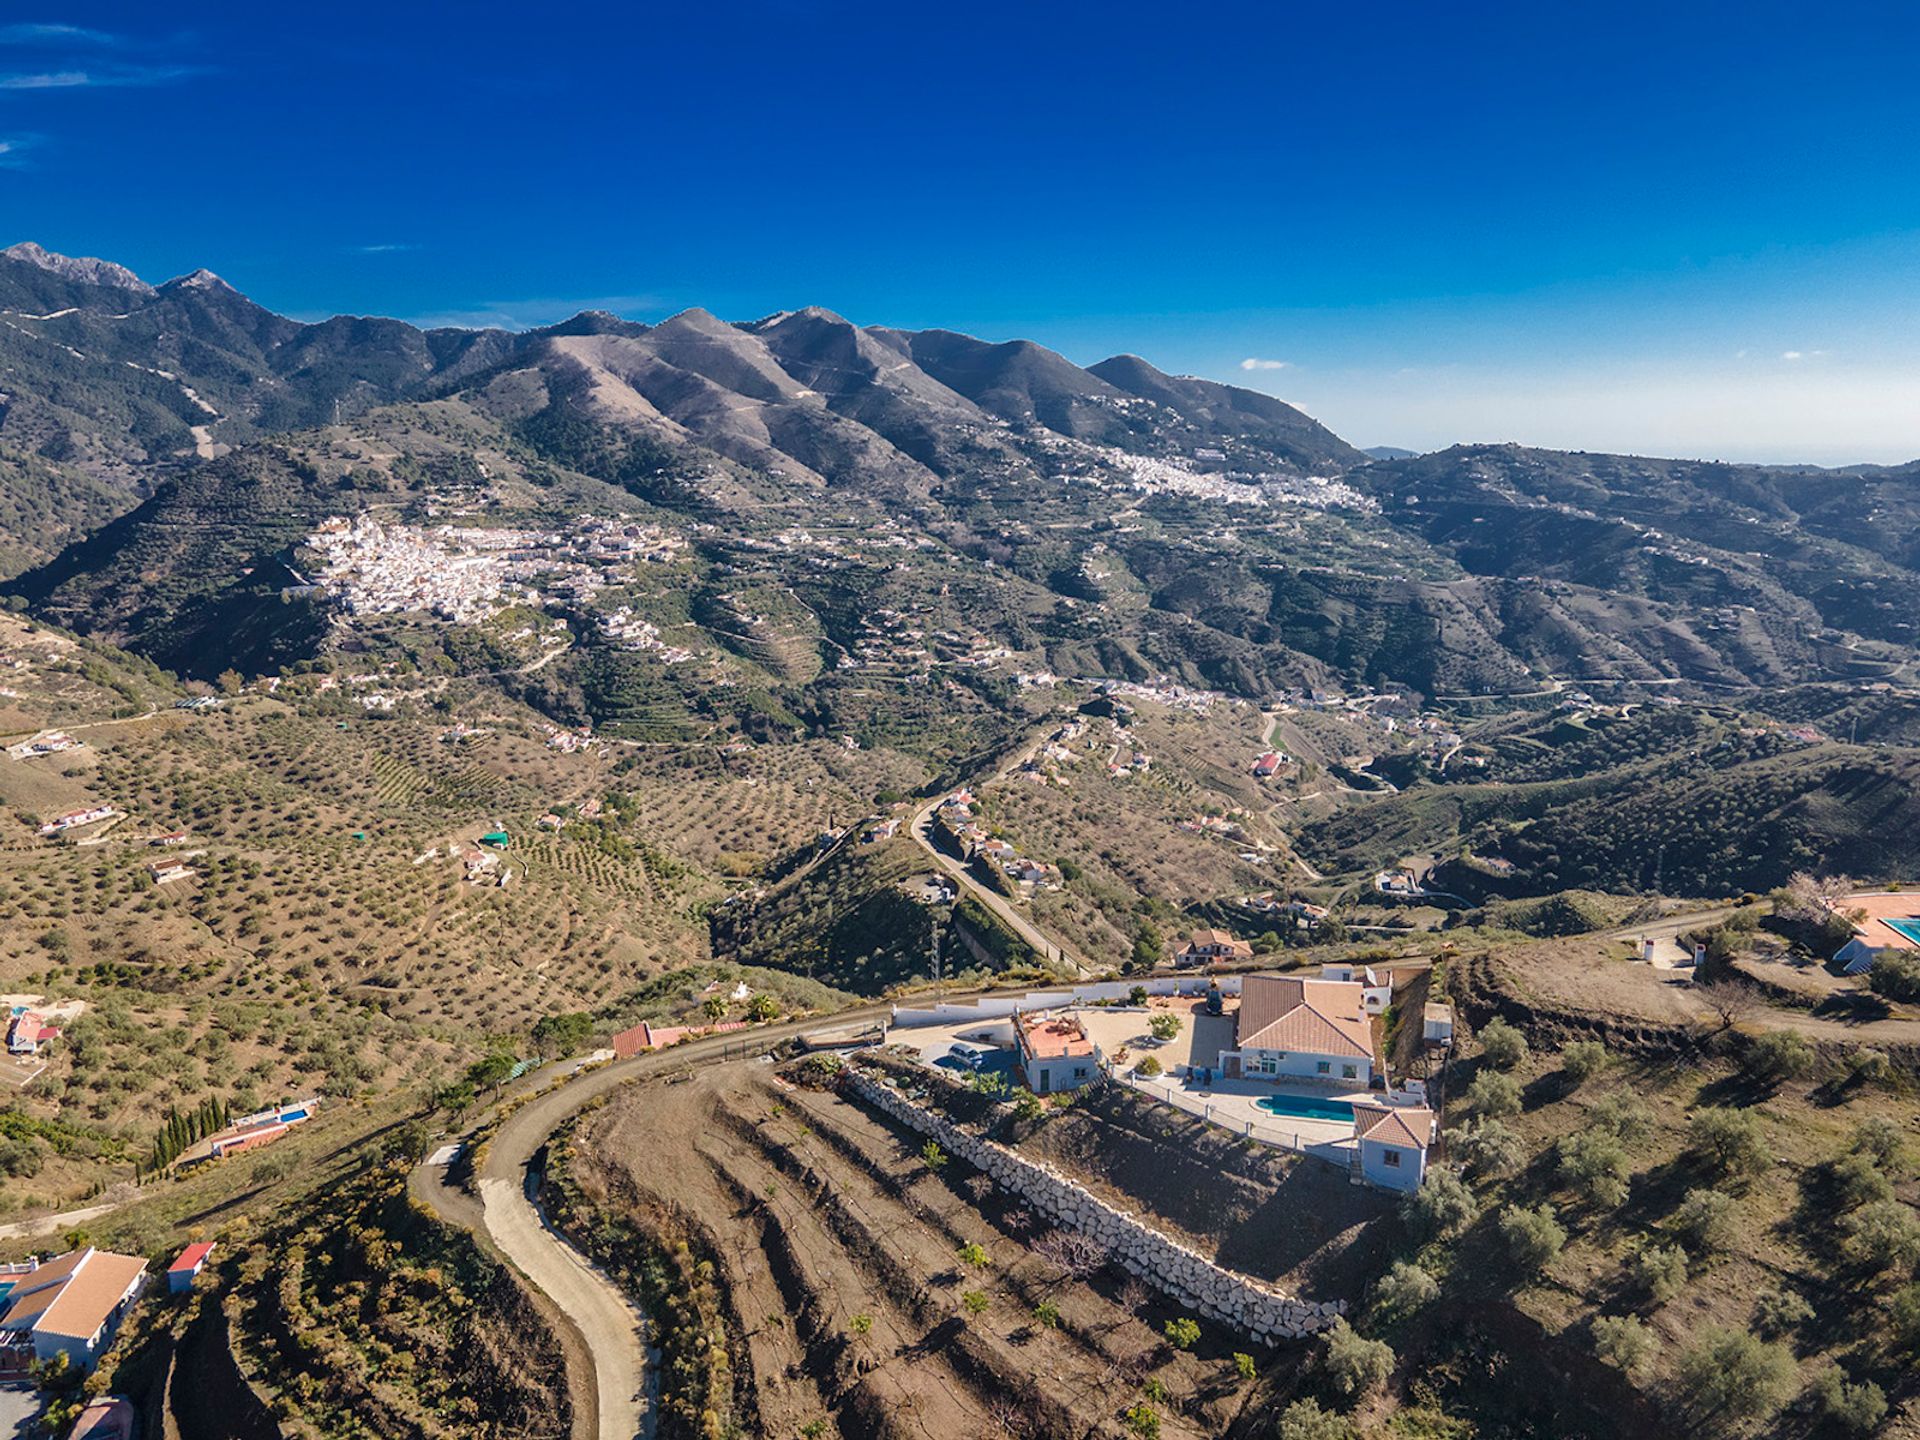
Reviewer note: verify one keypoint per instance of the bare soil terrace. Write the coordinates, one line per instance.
(851, 1290)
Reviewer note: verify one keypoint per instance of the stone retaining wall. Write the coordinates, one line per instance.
(1247, 1305)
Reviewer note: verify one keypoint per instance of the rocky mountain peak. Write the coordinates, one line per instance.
(85, 269)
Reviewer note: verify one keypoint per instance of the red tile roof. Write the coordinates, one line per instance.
(191, 1258)
(1407, 1127)
(72, 1295)
(1315, 1017)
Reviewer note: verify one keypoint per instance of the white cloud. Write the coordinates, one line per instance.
(1791, 355)
(54, 35)
(1254, 362)
(388, 249)
(101, 77)
(13, 150)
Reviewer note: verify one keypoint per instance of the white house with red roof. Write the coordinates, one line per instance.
(1056, 1053)
(1393, 1141)
(1205, 945)
(1292, 1028)
(73, 819)
(27, 1031)
(185, 1270)
(72, 1305)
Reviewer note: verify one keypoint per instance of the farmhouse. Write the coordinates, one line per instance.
(250, 1132)
(1377, 985)
(47, 742)
(1056, 1053)
(1291, 1028)
(70, 1305)
(75, 818)
(27, 1031)
(1885, 921)
(1205, 945)
(643, 1037)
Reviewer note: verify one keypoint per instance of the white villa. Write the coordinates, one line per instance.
(1289, 1028)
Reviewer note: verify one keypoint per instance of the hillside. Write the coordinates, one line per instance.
(177, 444)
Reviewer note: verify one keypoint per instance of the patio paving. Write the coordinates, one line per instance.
(1235, 1105)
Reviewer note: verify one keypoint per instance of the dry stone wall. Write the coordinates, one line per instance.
(1246, 1305)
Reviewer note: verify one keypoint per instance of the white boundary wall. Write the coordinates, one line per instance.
(999, 1007)
(1223, 1296)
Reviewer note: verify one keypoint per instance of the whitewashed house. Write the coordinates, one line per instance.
(1393, 1141)
(1291, 1028)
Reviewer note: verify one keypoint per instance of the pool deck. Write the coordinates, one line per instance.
(1235, 1104)
(1879, 908)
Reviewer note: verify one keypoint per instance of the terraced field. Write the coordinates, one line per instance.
(865, 1288)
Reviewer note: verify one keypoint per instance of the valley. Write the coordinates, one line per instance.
(599, 756)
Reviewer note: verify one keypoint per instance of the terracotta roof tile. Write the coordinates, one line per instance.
(1409, 1127)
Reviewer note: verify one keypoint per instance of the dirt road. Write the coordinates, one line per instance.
(1004, 909)
(610, 1326)
(599, 1330)
(1009, 914)
(49, 1224)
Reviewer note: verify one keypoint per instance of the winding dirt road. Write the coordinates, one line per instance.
(600, 1332)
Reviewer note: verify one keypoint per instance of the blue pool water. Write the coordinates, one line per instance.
(1306, 1107)
(1908, 928)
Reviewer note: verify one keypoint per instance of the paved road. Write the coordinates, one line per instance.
(19, 1411)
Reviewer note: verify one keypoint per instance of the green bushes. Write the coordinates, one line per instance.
(1730, 1378)
(1183, 1333)
(1305, 1420)
(1880, 1138)
(1494, 1094)
(1594, 1164)
(1489, 1149)
(1623, 1342)
(1532, 1238)
(1404, 1289)
(1705, 1220)
(1777, 1057)
(1729, 1143)
(1896, 975)
(1355, 1365)
(1779, 1312)
(1659, 1272)
(1442, 1207)
(1582, 1060)
(1882, 1236)
(1502, 1045)
(1857, 1409)
(1857, 1181)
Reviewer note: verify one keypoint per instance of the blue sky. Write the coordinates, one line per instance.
(1681, 228)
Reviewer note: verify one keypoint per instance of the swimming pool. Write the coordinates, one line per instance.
(1908, 928)
(1306, 1107)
